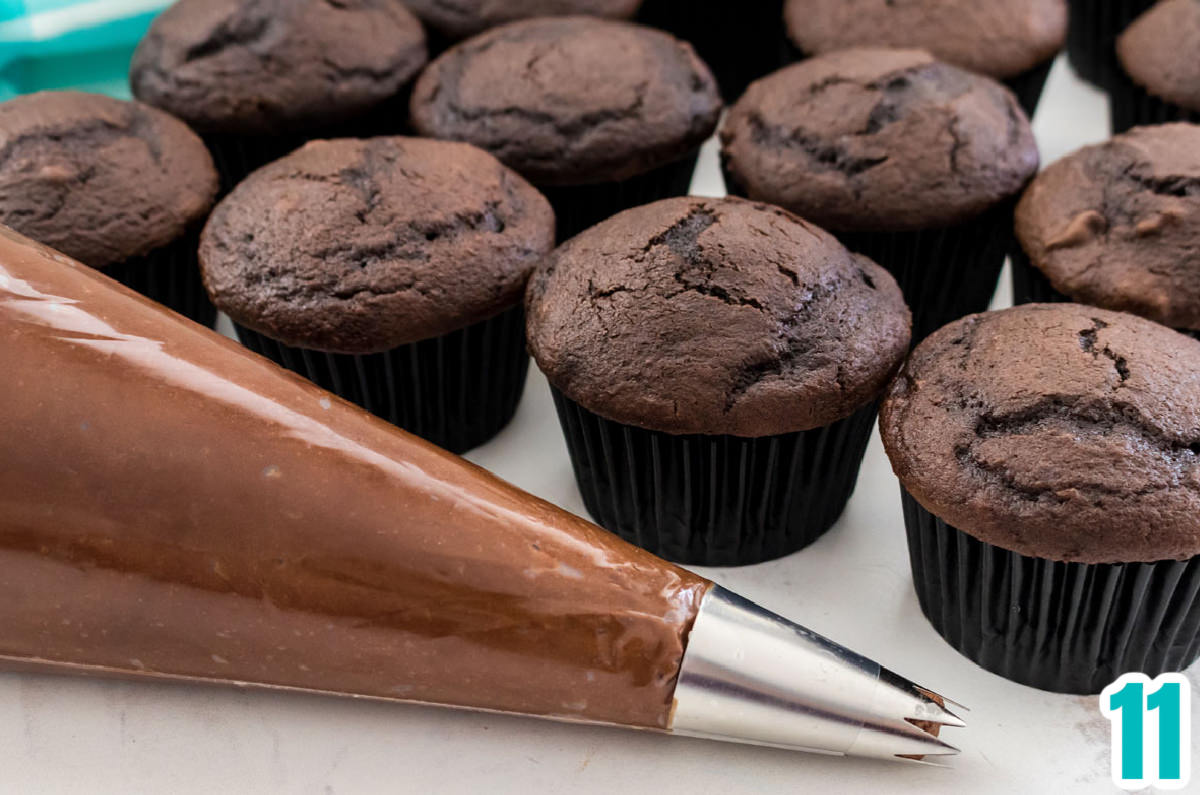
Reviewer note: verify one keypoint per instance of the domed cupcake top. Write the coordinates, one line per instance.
(1060, 431)
(462, 18)
(358, 246)
(229, 66)
(997, 39)
(571, 100)
(715, 316)
(99, 179)
(1158, 50)
(879, 140)
(1118, 224)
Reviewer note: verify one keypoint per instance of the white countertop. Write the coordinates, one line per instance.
(60, 734)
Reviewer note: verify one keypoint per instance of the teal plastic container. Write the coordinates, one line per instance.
(71, 44)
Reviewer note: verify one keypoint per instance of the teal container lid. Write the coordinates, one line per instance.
(70, 44)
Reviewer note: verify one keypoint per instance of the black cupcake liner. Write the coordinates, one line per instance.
(1131, 106)
(1030, 286)
(945, 273)
(714, 500)
(738, 41)
(437, 43)
(1092, 36)
(1064, 627)
(235, 156)
(457, 390)
(170, 275)
(1029, 85)
(579, 207)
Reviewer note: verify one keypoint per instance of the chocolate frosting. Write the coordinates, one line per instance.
(715, 316)
(1001, 39)
(358, 246)
(1159, 51)
(100, 179)
(172, 505)
(1063, 432)
(268, 66)
(570, 100)
(458, 19)
(878, 140)
(1118, 224)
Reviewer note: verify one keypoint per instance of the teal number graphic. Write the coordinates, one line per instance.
(1150, 718)
(1128, 701)
(1167, 700)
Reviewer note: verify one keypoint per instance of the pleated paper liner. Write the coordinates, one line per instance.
(1092, 36)
(170, 275)
(579, 207)
(1064, 627)
(738, 41)
(714, 500)
(437, 43)
(235, 156)
(1133, 106)
(945, 273)
(457, 390)
(1029, 85)
(1030, 286)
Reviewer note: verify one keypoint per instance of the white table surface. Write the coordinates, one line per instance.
(60, 734)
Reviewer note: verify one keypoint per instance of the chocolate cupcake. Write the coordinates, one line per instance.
(1049, 458)
(258, 79)
(1092, 36)
(739, 40)
(1014, 41)
(389, 271)
(1117, 225)
(910, 161)
(117, 185)
(450, 22)
(715, 363)
(600, 115)
(1160, 73)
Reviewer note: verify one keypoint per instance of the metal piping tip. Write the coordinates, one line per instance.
(882, 742)
(925, 762)
(915, 702)
(943, 700)
(750, 676)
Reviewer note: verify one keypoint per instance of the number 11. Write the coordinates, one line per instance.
(1126, 704)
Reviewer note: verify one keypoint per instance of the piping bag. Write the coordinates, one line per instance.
(174, 507)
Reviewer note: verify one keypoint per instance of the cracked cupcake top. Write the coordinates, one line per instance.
(1118, 224)
(1159, 51)
(715, 316)
(571, 100)
(878, 140)
(458, 19)
(1060, 431)
(264, 66)
(99, 179)
(358, 246)
(1001, 39)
